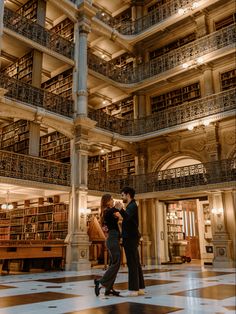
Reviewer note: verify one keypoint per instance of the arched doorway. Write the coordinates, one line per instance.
(182, 218)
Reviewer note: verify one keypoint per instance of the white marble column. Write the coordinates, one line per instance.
(82, 99)
(221, 241)
(1, 24)
(77, 254)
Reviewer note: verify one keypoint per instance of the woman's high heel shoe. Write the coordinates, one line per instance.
(97, 288)
(112, 292)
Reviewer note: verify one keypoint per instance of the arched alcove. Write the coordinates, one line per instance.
(179, 161)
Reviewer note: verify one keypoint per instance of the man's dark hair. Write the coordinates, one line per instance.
(128, 190)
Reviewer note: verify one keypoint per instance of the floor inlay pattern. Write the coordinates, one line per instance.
(33, 298)
(218, 292)
(181, 289)
(129, 307)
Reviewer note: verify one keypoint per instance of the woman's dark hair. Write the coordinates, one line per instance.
(104, 201)
(128, 190)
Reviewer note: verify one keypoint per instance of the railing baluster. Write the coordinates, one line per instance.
(20, 166)
(36, 32)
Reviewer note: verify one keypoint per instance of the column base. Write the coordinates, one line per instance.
(77, 253)
(222, 251)
(223, 264)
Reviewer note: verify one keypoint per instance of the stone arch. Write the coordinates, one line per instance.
(175, 160)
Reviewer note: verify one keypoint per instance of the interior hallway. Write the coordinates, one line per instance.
(182, 289)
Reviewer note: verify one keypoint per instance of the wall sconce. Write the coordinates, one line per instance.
(217, 211)
(192, 63)
(183, 11)
(84, 212)
(7, 205)
(190, 127)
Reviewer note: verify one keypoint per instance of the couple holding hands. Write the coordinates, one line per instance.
(110, 214)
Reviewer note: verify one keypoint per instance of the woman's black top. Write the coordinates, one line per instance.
(110, 220)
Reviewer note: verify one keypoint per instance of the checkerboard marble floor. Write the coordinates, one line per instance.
(181, 289)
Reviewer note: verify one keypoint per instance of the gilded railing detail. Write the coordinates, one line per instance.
(29, 94)
(26, 167)
(20, 166)
(177, 178)
(191, 54)
(184, 113)
(158, 15)
(37, 33)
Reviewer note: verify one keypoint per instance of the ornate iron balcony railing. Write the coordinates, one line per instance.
(35, 96)
(37, 33)
(26, 167)
(188, 55)
(20, 166)
(189, 111)
(221, 171)
(159, 15)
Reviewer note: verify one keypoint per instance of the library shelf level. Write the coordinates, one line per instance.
(32, 234)
(116, 163)
(15, 137)
(177, 243)
(175, 97)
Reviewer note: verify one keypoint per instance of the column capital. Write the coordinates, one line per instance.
(86, 10)
(83, 122)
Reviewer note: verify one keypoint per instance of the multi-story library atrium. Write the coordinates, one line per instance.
(98, 95)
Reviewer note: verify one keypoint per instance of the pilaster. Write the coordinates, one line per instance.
(145, 234)
(34, 138)
(208, 81)
(213, 144)
(161, 229)
(201, 22)
(221, 241)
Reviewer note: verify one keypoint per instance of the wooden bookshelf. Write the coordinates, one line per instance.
(121, 162)
(226, 21)
(175, 97)
(124, 61)
(29, 10)
(55, 146)
(4, 225)
(64, 29)
(43, 220)
(60, 84)
(174, 220)
(115, 163)
(15, 137)
(121, 109)
(228, 79)
(21, 69)
(171, 46)
(123, 17)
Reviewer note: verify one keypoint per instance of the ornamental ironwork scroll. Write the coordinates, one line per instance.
(177, 178)
(188, 53)
(34, 96)
(184, 113)
(26, 167)
(37, 33)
